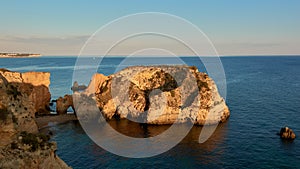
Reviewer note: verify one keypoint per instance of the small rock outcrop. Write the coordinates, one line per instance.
(21, 145)
(76, 87)
(63, 103)
(156, 95)
(287, 133)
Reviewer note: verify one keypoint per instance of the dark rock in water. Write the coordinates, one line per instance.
(50, 133)
(287, 133)
(63, 103)
(77, 87)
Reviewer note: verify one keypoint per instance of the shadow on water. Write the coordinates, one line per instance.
(137, 130)
(188, 153)
(54, 127)
(287, 145)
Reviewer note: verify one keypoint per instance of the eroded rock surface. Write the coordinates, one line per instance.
(157, 95)
(31, 151)
(63, 103)
(22, 95)
(287, 133)
(35, 85)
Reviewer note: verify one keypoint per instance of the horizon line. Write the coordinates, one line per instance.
(247, 55)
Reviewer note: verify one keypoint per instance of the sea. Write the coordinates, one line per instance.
(263, 95)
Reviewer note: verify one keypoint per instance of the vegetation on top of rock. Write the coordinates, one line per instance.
(35, 141)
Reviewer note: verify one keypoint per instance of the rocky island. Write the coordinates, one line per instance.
(22, 97)
(154, 95)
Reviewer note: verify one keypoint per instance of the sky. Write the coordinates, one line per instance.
(61, 27)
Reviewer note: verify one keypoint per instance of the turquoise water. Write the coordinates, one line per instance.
(263, 94)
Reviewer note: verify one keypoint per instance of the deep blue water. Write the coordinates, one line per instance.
(263, 94)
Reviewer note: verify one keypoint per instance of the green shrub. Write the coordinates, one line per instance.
(33, 140)
(44, 137)
(30, 139)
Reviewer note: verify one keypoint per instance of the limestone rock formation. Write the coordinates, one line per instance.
(63, 103)
(21, 96)
(96, 81)
(287, 133)
(31, 151)
(17, 111)
(158, 95)
(33, 84)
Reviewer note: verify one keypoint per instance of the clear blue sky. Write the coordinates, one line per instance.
(60, 27)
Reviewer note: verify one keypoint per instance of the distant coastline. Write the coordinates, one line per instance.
(19, 55)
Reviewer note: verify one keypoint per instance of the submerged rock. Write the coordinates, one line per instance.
(287, 133)
(157, 95)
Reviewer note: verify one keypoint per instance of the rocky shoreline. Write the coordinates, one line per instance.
(153, 95)
(23, 96)
(46, 121)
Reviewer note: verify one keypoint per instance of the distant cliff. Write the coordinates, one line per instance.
(19, 55)
(22, 96)
(156, 95)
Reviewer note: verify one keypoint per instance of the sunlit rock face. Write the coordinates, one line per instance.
(34, 84)
(287, 133)
(158, 95)
(22, 96)
(63, 103)
(19, 101)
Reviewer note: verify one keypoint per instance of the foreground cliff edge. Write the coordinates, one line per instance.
(22, 96)
(153, 95)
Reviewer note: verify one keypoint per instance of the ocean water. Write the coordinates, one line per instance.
(263, 94)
